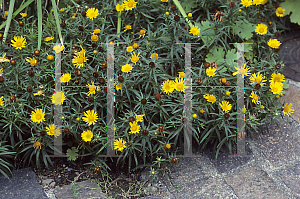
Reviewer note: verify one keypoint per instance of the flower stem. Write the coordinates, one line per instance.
(176, 2)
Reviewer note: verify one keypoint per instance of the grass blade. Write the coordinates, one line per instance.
(40, 24)
(9, 18)
(57, 21)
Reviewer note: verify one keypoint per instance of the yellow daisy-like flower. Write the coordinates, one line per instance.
(6, 13)
(139, 118)
(90, 117)
(265, 1)
(19, 42)
(129, 4)
(120, 8)
(23, 14)
(142, 33)
(94, 37)
(255, 98)
(118, 86)
(39, 93)
(274, 43)
(190, 15)
(58, 48)
(32, 61)
(287, 109)
(92, 13)
(65, 78)
(195, 30)
(50, 57)
(134, 127)
(211, 71)
(277, 77)
(154, 56)
(135, 45)
(3, 59)
(168, 146)
(168, 86)
(48, 38)
(97, 31)
(202, 111)
(228, 93)
(92, 88)
(127, 68)
(181, 74)
(210, 98)
(62, 10)
(257, 79)
(127, 27)
(280, 12)
(87, 135)
(194, 115)
(276, 87)
(257, 2)
(225, 106)
(1, 101)
(129, 48)
(58, 98)
(179, 84)
(243, 71)
(53, 130)
(37, 115)
(244, 110)
(164, 0)
(120, 144)
(246, 3)
(135, 58)
(37, 145)
(261, 29)
(79, 60)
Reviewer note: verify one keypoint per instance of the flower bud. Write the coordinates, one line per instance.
(104, 65)
(90, 99)
(31, 73)
(80, 28)
(257, 86)
(95, 74)
(158, 96)
(145, 132)
(151, 64)
(199, 81)
(43, 133)
(36, 52)
(21, 23)
(278, 66)
(29, 88)
(232, 4)
(143, 101)
(174, 160)
(131, 119)
(66, 130)
(77, 72)
(206, 65)
(13, 62)
(63, 24)
(176, 18)
(1, 79)
(173, 7)
(120, 78)
(101, 80)
(226, 116)
(83, 13)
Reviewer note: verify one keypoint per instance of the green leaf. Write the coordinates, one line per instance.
(244, 29)
(187, 5)
(215, 55)
(206, 31)
(73, 153)
(40, 24)
(292, 6)
(231, 57)
(285, 85)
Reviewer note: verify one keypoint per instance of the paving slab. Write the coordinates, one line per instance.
(292, 95)
(86, 189)
(23, 185)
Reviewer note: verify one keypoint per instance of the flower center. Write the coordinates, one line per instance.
(91, 118)
(180, 87)
(134, 128)
(255, 97)
(80, 60)
(38, 116)
(261, 30)
(18, 44)
(280, 12)
(130, 4)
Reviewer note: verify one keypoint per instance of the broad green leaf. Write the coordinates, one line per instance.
(187, 5)
(231, 57)
(215, 55)
(73, 153)
(294, 7)
(206, 31)
(249, 56)
(244, 29)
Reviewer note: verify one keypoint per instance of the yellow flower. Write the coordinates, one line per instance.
(58, 98)
(277, 77)
(257, 79)
(129, 48)
(37, 145)
(77, 118)
(92, 13)
(246, 3)
(135, 45)
(228, 92)
(74, 16)
(127, 68)
(257, 2)
(97, 31)
(79, 60)
(168, 86)
(210, 71)
(168, 145)
(37, 115)
(190, 15)
(139, 118)
(167, 14)
(127, 27)
(94, 37)
(118, 86)
(19, 42)
(92, 88)
(1, 101)
(244, 110)
(280, 12)
(58, 48)
(65, 78)
(48, 38)
(255, 98)
(287, 109)
(179, 84)
(276, 87)
(274, 43)
(194, 115)
(225, 106)
(261, 107)
(3, 59)
(135, 58)
(32, 61)
(181, 74)
(265, 1)
(52, 130)
(243, 71)
(87, 135)
(119, 7)
(134, 127)
(129, 4)
(62, 10)
(261, 29)
(202, 111)
(164, 0)
(154, 56)
(195, 30)
(39, 93)
(50, 57)
(95, 51)
(23, 14)
(6, 13)
(90, 117)
(210, 98)
(240, 10)
(120, 144)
